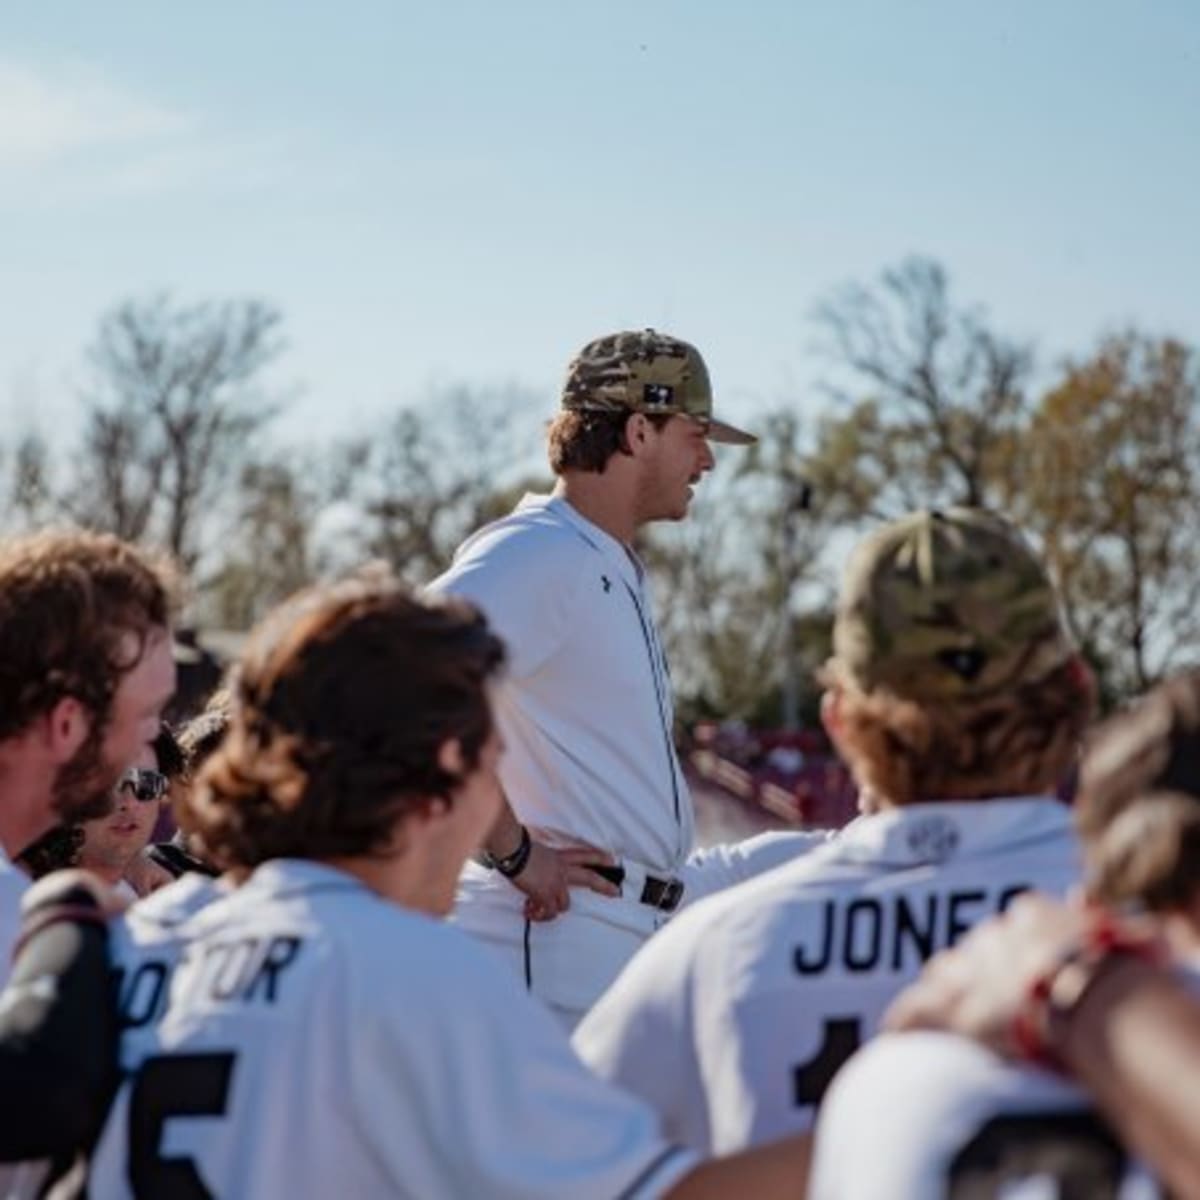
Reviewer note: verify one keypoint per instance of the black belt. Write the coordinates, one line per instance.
(657, 892)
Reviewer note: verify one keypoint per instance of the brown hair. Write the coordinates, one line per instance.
(1020, 743)
(585, 441)
(200, 736)
(341, 703)
(1149, 855)
(1152, 747)
(1138, 806)
(67, 602)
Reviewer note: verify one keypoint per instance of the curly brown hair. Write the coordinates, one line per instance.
(68, 601)
(341, 703)
(1138, 807)
(1152, 747)
(585, 441)
(1149, 855)
(1016, 744)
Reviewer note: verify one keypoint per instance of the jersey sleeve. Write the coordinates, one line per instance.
(525, 583)
(473, 1090)
(641, 1034)
(717, 867)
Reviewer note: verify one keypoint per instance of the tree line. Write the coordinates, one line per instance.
(178, 443)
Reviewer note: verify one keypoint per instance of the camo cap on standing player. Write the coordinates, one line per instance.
(646, 372)
(943, 606)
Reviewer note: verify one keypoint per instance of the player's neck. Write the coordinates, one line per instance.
(603, 500)
(398, 878)
(110, 873)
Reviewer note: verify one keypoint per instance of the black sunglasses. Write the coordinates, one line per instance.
(143, 783)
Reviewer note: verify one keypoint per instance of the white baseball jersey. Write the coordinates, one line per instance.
(918, 1115)
(585, 706)
(14, 883)
(732, 1022)
(302, 1037)
(587, 715)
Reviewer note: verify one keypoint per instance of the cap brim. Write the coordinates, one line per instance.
(729, 435)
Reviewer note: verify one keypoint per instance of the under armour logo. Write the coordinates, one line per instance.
(604, 579)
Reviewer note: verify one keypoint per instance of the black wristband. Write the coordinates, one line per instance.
(511, 865)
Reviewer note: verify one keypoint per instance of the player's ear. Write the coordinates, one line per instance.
(635, 433)
(65, 728)
(450, 757)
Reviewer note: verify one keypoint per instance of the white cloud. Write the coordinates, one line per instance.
(49, 114)
(71, 135)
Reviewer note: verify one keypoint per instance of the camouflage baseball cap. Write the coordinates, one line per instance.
(645, 372)
(944, 606)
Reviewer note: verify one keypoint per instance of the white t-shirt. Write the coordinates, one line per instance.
(732, 1021)
(302, 1037)
(585, 707)
(924, 1115)
(14, 883)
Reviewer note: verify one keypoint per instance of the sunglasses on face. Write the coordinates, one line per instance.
(143, 783)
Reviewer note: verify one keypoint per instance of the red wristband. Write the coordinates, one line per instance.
(1055, 994)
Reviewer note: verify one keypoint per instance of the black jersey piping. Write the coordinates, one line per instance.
(655, 674)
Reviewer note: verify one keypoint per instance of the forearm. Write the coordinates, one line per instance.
(1134, 1042)
(779, 1170)
(505, 834)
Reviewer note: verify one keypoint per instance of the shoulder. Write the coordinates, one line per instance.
(535, 540)
(14, 883)
(174, 903)
(387, 949)
(873, 1114)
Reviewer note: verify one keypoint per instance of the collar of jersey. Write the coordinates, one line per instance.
(295, 875)
(937, 832)
(620, 555)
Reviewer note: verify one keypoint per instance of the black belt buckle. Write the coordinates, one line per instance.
(663, 894)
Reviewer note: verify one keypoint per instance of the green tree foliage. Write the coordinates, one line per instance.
(1101, 469)
(931, 406)
(272, 549)
(173, 404)
(736, 580)
(1111, 486)
(930, 398)
(436, 472)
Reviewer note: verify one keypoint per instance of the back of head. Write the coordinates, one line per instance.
(956, 674)
(1138, 804)
(339, 707)
(200, 735)
(76, 610)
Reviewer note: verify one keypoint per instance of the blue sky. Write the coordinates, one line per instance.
(466, 191)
